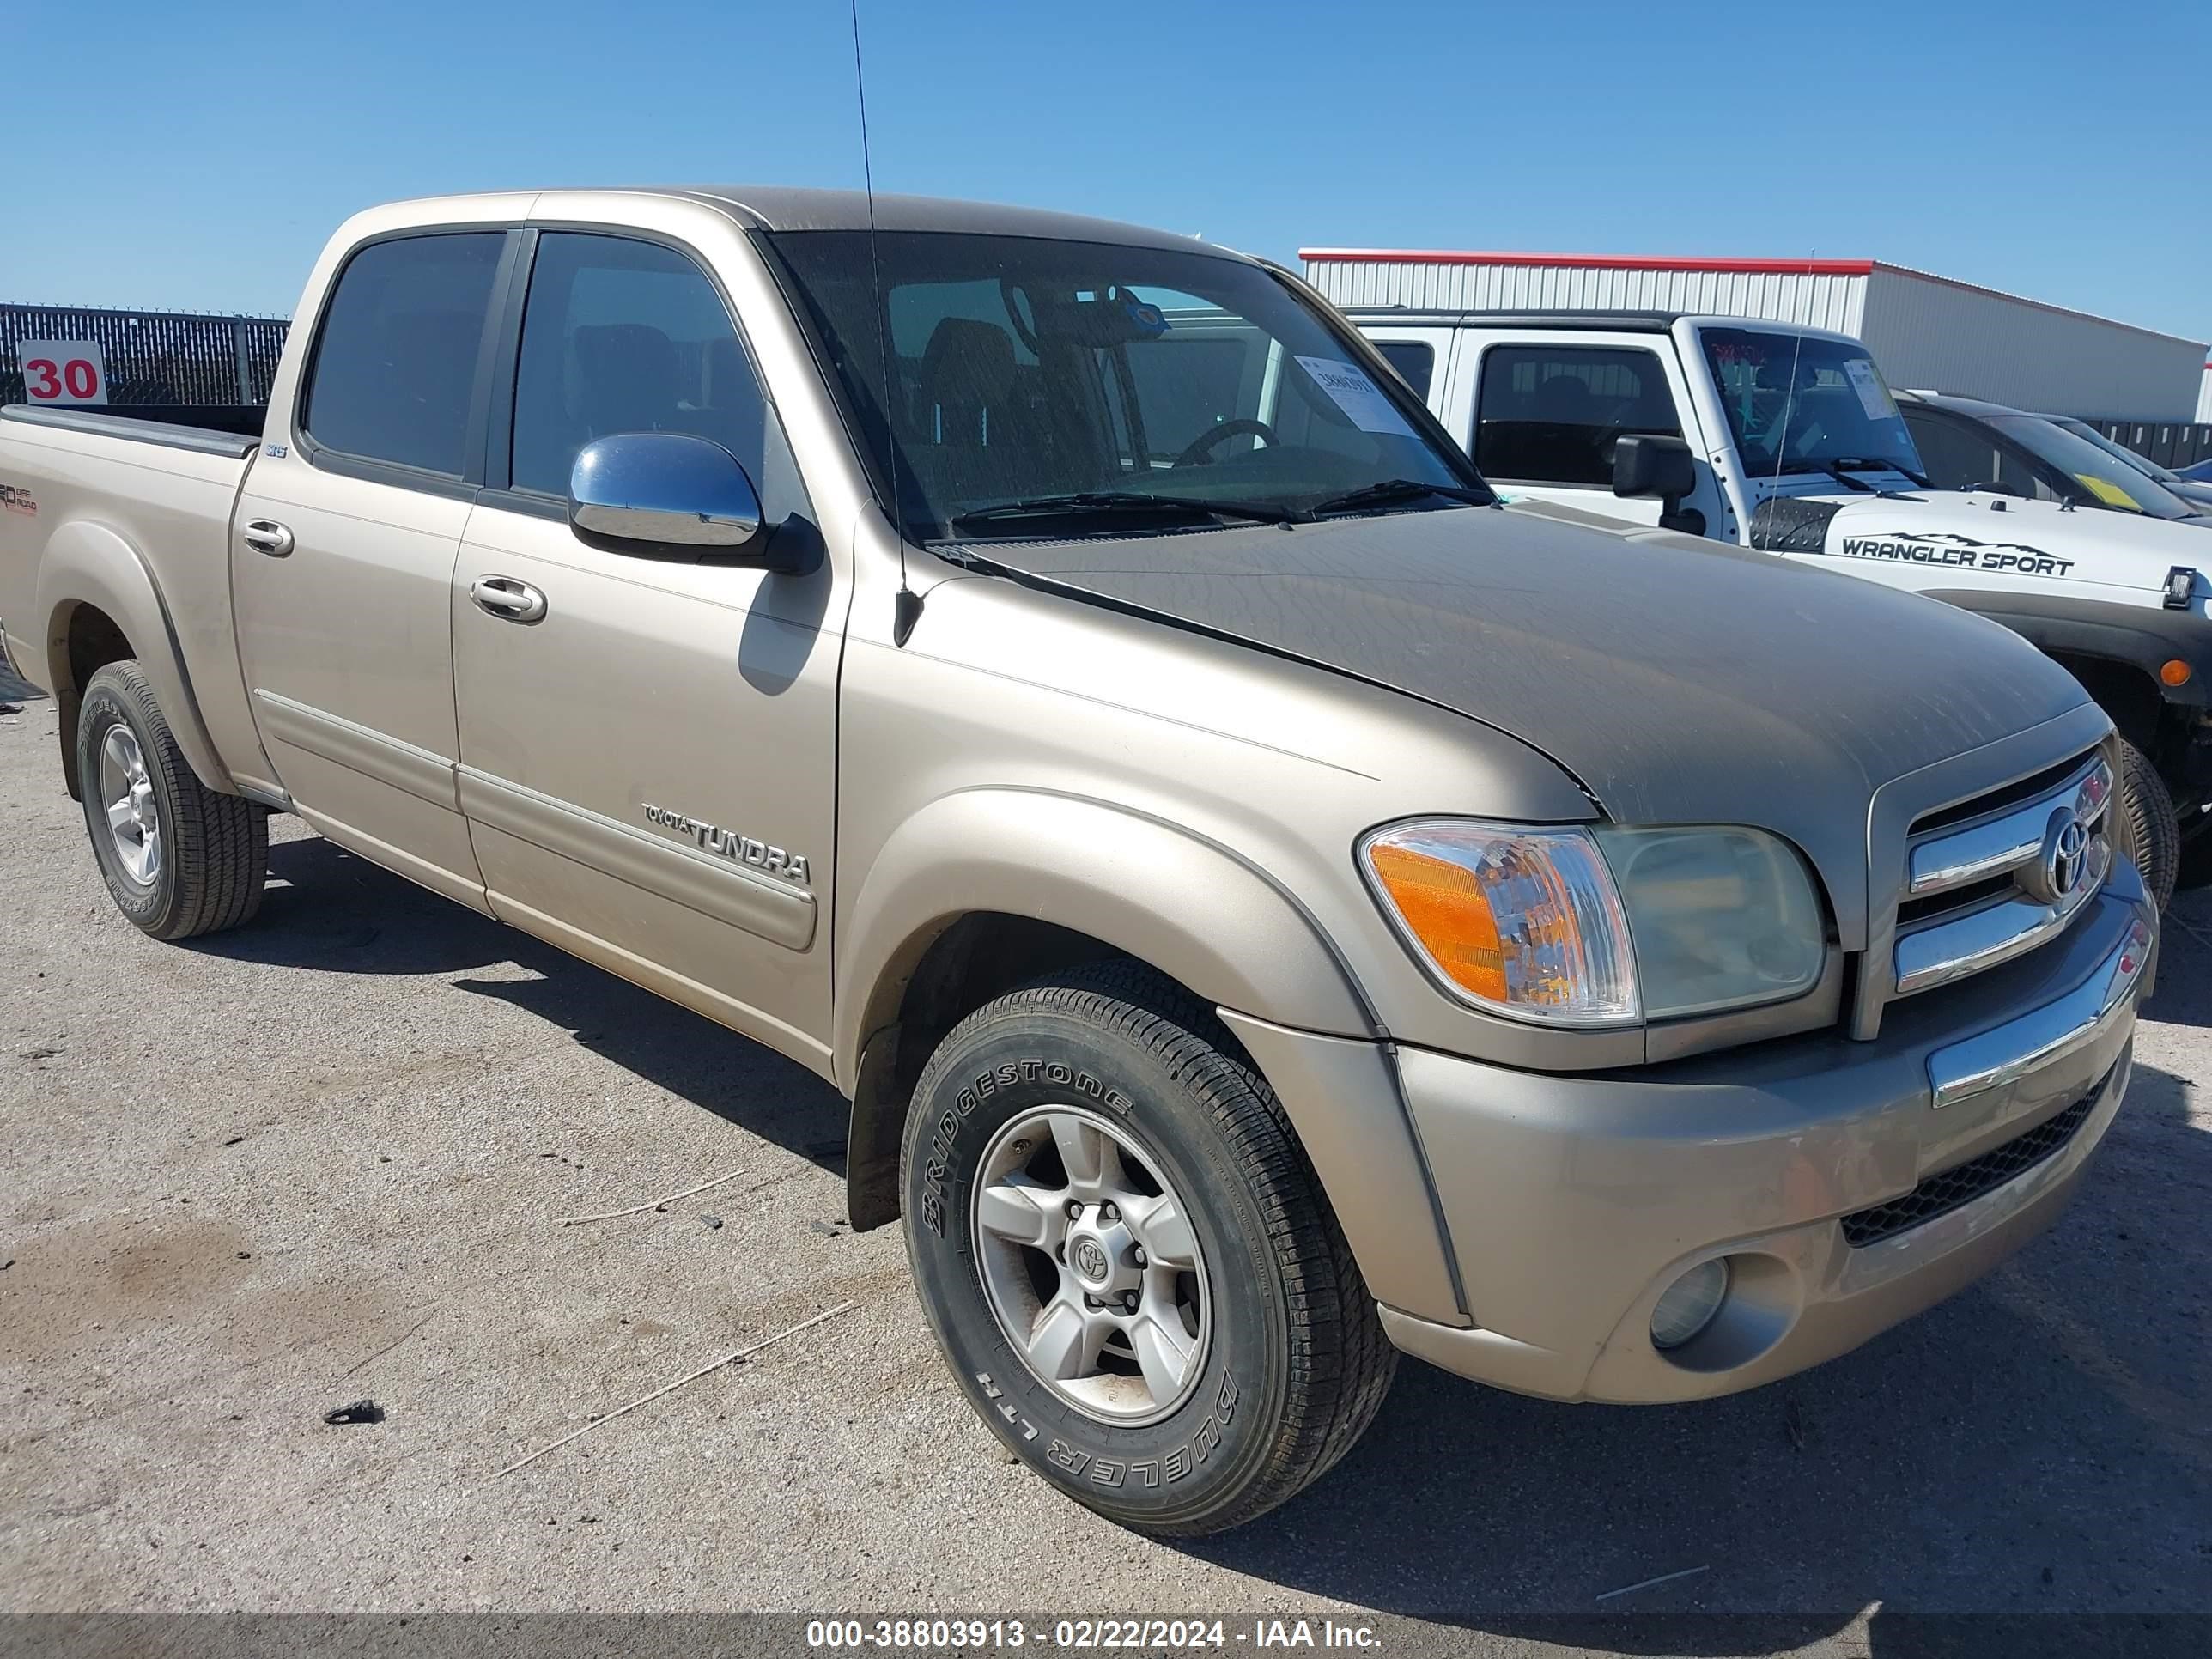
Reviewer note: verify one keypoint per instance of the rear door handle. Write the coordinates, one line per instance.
(266, 536)
(508, 600)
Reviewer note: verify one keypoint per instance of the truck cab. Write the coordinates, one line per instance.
(1789, 440)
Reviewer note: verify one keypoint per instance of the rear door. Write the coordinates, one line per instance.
(648, 755)
(343, 548)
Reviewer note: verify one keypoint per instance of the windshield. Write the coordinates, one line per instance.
(2088, 433)
(1796, 403)
(1027, 369)
(2103, 478)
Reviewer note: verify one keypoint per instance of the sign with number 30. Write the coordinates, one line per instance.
(63, 371)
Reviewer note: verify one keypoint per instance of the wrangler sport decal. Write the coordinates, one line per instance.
(1963, 552)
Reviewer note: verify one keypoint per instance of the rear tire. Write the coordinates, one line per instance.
(178, 858)
(1276, 1363)
(2144, 826)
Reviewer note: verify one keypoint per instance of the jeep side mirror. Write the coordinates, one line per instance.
(666, 493)
(1648, 466)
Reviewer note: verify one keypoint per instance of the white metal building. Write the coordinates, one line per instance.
(1926, 331)
(2204, 395)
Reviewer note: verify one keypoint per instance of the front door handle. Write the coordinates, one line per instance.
(508, 600)
(266, 536)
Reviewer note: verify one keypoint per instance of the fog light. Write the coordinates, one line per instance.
(1690, 1303)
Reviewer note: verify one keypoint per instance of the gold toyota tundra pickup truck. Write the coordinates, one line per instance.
(1268, 907)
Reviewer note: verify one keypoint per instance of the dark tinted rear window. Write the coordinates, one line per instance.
(1414, 360)
(397, 358)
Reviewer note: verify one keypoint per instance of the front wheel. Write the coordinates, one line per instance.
(1127, 1261)
(180, 860)
(2145, 827)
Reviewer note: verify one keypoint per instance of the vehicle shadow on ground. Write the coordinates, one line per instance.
(328, 910)
(2040, 1445)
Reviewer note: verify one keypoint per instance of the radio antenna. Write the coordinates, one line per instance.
(908, 605)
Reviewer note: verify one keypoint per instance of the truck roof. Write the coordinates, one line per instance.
(1634, 322)
(786, 208)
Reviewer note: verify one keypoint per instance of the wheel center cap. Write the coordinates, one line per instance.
(1089, 1259)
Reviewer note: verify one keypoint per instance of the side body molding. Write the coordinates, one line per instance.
(89, 564)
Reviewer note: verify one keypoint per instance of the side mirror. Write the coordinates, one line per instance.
(1647, 466)
(663, 492)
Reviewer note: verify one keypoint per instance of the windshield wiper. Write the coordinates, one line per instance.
(1807, 464)
(1883, 463)
(1399, 489)
(1135, 504)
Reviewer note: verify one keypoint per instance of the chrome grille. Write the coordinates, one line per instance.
(2014, 876)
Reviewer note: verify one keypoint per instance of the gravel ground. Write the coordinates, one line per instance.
(243, 1181)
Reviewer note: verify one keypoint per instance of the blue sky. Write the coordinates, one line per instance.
(196, 156)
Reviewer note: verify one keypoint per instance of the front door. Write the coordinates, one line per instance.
(647, 743)
(341, 554)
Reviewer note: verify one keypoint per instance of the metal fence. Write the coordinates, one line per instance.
(154, 357)
(2170, 443)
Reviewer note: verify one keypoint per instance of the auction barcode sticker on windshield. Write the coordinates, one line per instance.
(1873, 396)
(1359, 397)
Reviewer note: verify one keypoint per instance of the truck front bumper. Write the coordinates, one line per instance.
(1847, 1185)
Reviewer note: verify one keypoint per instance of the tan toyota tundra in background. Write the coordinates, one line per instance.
(1268, 907)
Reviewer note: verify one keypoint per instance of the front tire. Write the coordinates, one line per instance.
(2145, 826)
(178, 858)
(1127, 1261)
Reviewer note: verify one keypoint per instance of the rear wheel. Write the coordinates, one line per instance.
(2144, 826)
(178, 858)
(1127, 1261)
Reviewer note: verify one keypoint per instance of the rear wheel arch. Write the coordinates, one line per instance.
(102, 606)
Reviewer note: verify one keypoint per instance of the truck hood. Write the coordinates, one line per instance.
(2038, 543)
(1679, 681)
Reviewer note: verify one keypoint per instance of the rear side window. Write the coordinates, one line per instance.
(1415, 361)
(623, 336)
(1552, 414)
(1954, 456)
(396, 361)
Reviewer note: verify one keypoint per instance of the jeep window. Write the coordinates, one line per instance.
(395, 363)
(1552, 414)
(1796, 403)
(1026, 367)
(1414, 360)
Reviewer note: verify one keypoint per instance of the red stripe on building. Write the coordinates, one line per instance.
(1598, 261)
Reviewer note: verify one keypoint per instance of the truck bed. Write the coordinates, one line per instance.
(112, 502)
(232, 429)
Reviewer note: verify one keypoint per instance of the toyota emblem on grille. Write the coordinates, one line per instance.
(2057, 871)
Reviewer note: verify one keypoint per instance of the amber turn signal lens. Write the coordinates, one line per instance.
(1444, 905)
(2173, 672)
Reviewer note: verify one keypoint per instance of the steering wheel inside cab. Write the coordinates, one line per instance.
(1198, 451)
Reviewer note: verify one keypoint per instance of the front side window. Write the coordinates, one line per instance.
(1953, 455)
(1018, 368)
(623, 336)
(395, 363)
(1552, 414)
(1797, 403)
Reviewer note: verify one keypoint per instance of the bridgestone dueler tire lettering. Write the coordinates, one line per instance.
(215, 860)
(1297, 1365)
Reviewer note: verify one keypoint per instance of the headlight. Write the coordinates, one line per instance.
(1722, 918)
(1603, 926)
